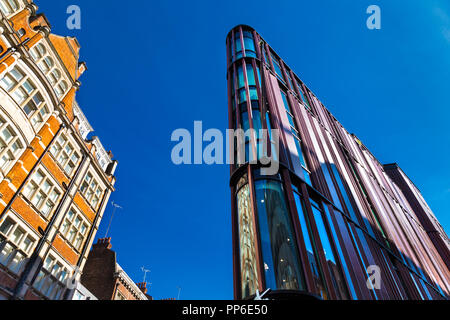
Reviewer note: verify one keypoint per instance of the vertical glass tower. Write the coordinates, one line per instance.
(334, 223)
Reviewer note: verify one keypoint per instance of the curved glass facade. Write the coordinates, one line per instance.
(314, 226)
(247, 241)
(281, 261)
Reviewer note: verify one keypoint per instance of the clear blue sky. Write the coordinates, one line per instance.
(156, 66)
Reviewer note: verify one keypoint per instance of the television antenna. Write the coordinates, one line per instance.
(116, 206)
(145, 271)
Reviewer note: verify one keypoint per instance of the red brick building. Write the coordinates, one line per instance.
(106, 279)
(55, 182)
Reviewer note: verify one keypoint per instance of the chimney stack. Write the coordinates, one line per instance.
(143, 287)
(103, 243)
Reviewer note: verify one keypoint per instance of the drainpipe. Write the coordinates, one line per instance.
(35, 264)
(110, 171)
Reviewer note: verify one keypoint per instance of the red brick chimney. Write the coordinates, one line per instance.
(143, 287)
(103, 243)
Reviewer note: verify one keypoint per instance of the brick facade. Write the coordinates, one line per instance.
(54, 182)
(106, 279)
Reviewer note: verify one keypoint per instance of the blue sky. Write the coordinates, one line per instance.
(156, 66)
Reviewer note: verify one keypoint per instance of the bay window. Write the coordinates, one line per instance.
(26, 95)
(75, 229)
(51, 278)
(15, 245)
(91, 190)
(42, 192)
(65, 154)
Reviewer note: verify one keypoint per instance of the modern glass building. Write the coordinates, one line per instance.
(333, 219)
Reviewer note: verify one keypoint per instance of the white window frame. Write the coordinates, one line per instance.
(23, 90)
(75, 228)
(9, 7)
(43, 192)
(11, 146)
(91, 189)
(47, 64)
(66, 154)
(16, 244)
(52, 277)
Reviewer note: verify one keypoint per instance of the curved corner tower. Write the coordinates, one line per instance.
(332, 223)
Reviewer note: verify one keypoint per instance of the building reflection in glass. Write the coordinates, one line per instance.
(247, 241)
(278, 245)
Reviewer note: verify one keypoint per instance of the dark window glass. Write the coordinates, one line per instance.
(257, 125)
(280, 253)
(345, 196)
(253, 93)
(417, 287)
(392, 274)
(285, 101)
(298, 141)
(272, 142)
(249, 44)
(259, 77)
(365, 250)
(341, 255)
(250, 75)
(238, 44)
(331, 187)
(304, 99)
(29, 108)
(310, 248)
(241, 79)
(231, 52)
(277, 67)
(335, 272)
(232, 84)
(374, 214)
(266, 59)
(244, 120)
(242, 95)
(290, 80)
(425, 289)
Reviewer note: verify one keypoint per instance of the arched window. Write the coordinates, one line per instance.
(8, 6)
(54, 76)
(47, 65)
(38, 51)
(61, 88)
(24, 92)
